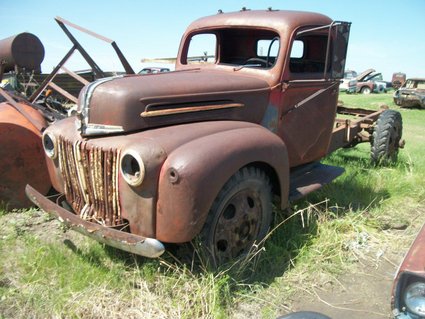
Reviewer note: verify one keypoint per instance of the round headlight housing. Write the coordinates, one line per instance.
(414, 298)
(132, 168)
(50, 145)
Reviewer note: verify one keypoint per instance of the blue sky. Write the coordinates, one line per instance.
(385, 35)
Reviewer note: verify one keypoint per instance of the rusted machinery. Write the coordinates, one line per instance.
(23, 51)
(23, 119)
(21, 151)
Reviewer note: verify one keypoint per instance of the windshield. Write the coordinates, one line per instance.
(236, 47)
(415, 84)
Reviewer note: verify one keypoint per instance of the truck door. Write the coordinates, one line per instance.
(314, 66)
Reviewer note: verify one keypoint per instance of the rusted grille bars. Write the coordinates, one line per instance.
(91, 181)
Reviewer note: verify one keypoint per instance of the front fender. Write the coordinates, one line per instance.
(194, 173)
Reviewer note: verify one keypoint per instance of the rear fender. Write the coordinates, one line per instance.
(194, 173)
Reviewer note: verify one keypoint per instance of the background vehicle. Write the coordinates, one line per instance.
(370, 81)
(201, 152)
(411, 94)
(149, 70)
(349, 82)
(398, 80)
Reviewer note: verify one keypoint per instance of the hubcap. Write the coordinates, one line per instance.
(238, 225)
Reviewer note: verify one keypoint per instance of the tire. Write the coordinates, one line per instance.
(239, 217)
(304, 315)
(386, 137)
(365, 90)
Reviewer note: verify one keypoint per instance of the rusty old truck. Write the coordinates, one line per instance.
(201, 151)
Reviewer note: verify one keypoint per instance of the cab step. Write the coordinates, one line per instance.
(311, 177)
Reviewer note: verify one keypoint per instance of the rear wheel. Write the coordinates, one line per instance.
(386, 137)
(239, 217)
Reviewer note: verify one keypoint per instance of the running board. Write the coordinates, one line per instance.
(310, 178)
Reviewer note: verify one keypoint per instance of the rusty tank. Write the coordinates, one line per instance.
(23, 50)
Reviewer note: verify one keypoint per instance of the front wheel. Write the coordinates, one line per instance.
(397, 101)
(239, 217)
(386, 137)
(365, 90)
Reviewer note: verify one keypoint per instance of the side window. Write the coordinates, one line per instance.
(202, 49)
(420, 85)
(308, 54)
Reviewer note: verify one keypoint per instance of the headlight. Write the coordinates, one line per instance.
(414, 298)
(50, 145)
(132, 168)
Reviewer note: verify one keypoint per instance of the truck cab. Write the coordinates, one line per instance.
(299, 55)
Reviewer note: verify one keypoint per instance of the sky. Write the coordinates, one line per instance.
(385, 35)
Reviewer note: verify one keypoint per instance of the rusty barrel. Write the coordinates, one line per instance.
(22, 159)
(24, 50)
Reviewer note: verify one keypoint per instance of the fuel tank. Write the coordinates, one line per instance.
(24, 50)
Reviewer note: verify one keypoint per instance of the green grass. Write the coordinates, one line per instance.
(45, 273)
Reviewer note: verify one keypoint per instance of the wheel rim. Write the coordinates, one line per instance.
(238, 225)
(393, 142)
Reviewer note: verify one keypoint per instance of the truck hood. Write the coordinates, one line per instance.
(132, 103)
(364, 74)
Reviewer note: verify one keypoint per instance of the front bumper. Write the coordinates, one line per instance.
(147, 247)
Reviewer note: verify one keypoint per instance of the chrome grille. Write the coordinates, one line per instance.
(90, 177)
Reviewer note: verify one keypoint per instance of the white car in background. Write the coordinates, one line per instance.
(152, 66)
(349, 82)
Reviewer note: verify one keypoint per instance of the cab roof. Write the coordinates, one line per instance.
(280, 20)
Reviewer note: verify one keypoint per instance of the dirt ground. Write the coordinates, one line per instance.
(364, 293)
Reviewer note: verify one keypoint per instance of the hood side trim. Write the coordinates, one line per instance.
(188, 109)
